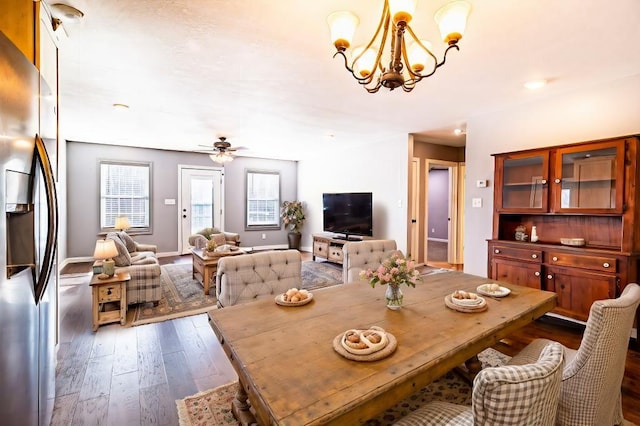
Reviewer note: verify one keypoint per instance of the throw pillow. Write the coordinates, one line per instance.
(207, 232)
(128, 241)
(123, 258)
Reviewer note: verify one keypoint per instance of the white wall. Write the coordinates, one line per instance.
(602, 111)
(380, 168)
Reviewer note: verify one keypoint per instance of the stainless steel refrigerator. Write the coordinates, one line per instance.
(28, 236)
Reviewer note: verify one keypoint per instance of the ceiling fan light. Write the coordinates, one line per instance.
(342, 26)
(365, 63)
(418, 57)
(452, 20)
(66, 13)
(221, 157)
(402, 10)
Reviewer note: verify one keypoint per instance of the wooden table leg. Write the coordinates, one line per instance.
(240, 407)
(206, 278)
(471, 368)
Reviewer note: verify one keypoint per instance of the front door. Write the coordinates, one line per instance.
(201, 201)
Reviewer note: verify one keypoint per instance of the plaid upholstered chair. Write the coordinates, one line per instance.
(506, 395)
(144, 285)
(592, 377)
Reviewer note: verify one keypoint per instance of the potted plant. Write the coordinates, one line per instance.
(292, 215)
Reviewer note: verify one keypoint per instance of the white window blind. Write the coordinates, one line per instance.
(124, 191)
(263, 200)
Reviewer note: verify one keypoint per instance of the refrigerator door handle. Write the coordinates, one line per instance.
(52, 226)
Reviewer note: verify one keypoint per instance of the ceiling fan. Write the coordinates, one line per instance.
(222, 150)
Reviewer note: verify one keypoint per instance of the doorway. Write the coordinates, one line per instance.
(201, 202)
(443, 222)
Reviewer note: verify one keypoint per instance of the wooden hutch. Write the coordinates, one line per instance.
(587, 192)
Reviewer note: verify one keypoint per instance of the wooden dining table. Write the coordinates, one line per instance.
(290, 374)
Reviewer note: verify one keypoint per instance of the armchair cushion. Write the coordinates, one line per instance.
(128, 241)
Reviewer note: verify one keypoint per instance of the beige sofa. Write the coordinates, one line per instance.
(245, 278)
(140, 261)
(367, 254)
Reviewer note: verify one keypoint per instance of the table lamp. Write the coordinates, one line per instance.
(122, 223)
(105, 250)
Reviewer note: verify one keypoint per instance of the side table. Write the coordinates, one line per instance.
(109, 299)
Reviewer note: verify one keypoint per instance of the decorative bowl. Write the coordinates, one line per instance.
(572, 241)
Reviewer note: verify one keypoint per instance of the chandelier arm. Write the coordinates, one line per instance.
(361, 80)
(444, 58)
(417, 76)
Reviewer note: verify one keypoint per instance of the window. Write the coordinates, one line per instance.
(125, 190)
(263, 200)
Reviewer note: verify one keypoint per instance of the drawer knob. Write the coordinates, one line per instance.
(549, 277)
(496, 251)
(543, 181)
(535, 256)
(557, 180)
(109, 291)
(554, 258)
(536, 273)
(606, 264)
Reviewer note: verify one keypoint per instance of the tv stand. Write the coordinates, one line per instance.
(328, 246)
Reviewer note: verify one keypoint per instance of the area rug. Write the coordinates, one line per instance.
(320, 274)
(182, 296)
(213, 407)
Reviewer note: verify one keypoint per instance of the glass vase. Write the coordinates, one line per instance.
(394, 296)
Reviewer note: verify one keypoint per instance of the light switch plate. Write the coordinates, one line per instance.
(482, 183)
(169, 201)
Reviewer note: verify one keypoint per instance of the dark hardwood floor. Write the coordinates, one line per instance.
(132, 376)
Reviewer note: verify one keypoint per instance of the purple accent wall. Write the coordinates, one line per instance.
(438, 202)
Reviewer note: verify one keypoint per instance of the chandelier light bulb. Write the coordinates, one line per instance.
(364, 61)
(342, 25)
(452, 20)
(418, 57)
(402, 10)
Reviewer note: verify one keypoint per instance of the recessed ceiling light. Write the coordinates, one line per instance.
(121, 106)
(535, 84)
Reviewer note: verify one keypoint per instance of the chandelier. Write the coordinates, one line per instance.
(407, 64)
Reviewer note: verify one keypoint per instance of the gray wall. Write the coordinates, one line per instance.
(83, 217)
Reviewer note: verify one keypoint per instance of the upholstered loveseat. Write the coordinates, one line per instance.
(367, 254)
(200, 239)
(245, 278)
(141, 263)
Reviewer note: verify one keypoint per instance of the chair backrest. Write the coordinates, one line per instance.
(245, 278)
(520, 394)
(593, 376)
(366, 254)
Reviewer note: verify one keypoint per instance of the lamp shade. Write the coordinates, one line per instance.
(452, 20)
(402, 10)
(342, 25)
(418, 56)
(122, 222)
(105, 249)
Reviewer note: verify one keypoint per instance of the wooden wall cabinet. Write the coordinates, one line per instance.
(587, 190)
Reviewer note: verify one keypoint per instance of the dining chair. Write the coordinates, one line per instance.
(592, 378)
(506, 395)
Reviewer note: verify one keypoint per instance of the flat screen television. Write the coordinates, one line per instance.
(348, 213)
